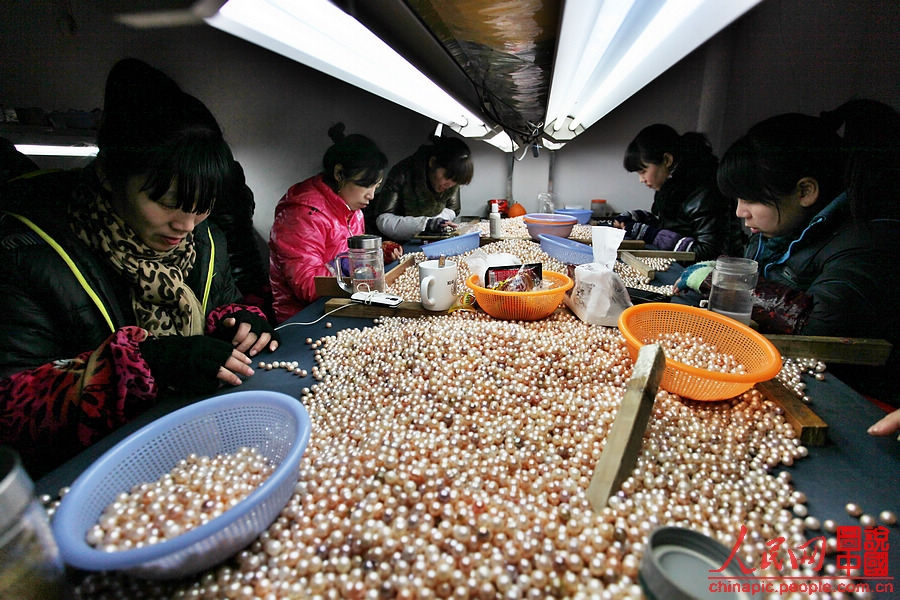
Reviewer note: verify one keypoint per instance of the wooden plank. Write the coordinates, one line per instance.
(637, 264)
(808, 426)
(624, 441)
(679, 256)
(836, 350)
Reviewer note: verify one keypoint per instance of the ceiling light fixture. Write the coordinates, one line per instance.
(619, 47)
(320, 35)
(48, 150)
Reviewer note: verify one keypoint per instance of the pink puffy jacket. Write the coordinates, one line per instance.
(312, 224)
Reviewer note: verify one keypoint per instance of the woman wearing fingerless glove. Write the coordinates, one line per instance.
(109, 293)
(688, 213)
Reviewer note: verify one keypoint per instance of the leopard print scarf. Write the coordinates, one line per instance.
(163, 303)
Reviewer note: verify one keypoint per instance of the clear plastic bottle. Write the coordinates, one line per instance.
(600, 209)
(494, 221)
(545, 203)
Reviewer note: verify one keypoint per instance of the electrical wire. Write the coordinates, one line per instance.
(316, 321)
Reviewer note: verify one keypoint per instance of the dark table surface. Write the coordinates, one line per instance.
(852, 466)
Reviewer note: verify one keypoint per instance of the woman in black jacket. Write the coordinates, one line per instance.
(113, 286)
(688, 213)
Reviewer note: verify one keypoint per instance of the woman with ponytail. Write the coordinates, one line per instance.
(688, 212)
(315, 217)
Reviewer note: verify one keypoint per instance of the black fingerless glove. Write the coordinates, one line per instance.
(187, 363)
(436, 225)
(258, 325)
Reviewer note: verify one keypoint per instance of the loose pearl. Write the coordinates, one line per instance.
(887, 517)
(853, 509)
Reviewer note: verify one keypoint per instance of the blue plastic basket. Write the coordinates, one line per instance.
(565, 250)
(275, 424)
(582, 214)
(453, 246)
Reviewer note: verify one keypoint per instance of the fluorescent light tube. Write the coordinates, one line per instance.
(581, 95)
(320, 35)
(45, 150)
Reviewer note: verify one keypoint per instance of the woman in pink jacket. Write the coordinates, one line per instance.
(315, 217)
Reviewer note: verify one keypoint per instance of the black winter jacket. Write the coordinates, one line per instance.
(845, 267)
(45, 314)
(690, 204)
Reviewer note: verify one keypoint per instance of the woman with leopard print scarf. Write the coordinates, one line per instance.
(111, 288)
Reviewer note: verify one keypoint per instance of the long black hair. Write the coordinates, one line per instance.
(151, 127)
(453, 155)
(871, 143)
(765, 164)
(653, 142)
(363, 163)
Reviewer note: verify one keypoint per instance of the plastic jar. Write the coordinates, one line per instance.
(366, 264)
(599, 208)
(733, 280)
(30, 564)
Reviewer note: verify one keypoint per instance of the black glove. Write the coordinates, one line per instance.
(189, 363)
(258, 325)
(436, 225)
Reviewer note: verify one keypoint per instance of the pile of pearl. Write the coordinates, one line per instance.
(450, 456)
(197, 490)
(289, 366)
(692, 350)
(406, 285)
(633, 278)
(514, 227)
(793, 369)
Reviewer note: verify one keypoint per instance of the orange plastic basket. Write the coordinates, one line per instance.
(521, 306)
(642, 323)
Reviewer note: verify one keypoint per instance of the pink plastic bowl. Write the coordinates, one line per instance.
(552, 224)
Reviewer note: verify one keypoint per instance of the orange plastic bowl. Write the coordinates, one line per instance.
(521, 306)
(642, 323)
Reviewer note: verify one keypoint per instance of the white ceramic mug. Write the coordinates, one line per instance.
(437, 284)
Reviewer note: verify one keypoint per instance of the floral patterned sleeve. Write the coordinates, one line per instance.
(62, 407)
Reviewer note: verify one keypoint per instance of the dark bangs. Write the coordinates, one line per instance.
(740, 175)
(361, 160)
(367, 176)
(453, 155)
(199, 160)
(460, 170)
(633, 160)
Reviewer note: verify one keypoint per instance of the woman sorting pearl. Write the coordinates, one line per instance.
(421, 193)
(688, 213)
(315, 217)
(113, 288)
(823, 215)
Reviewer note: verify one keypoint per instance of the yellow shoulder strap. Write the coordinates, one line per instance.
(209, 274)
(83, 282)
(71, 264)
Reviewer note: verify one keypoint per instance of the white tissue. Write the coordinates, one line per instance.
(605, 242)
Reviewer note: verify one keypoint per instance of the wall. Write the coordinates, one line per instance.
(275, 113)
(784, 55)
